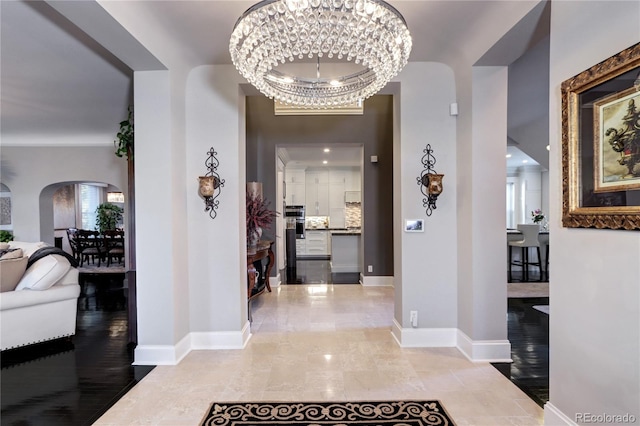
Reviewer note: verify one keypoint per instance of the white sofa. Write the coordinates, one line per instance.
(43, 306)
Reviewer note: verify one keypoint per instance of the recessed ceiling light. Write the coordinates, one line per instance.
(327, 150)
(508, 155)
(548, 148)
(325, 162)
(525, 161)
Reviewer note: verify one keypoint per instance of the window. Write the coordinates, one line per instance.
(89, 198)
(511, 205)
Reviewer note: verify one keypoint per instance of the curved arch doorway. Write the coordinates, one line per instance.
(72, 205)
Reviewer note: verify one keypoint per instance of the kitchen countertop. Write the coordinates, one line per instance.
(354, 231)
(338, 231)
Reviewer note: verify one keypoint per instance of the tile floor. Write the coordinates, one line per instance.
(324, 342)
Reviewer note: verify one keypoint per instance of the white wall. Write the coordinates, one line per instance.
(488, 333)
(595, 274)
(426, 279)
(28, 170)
(157, 307)
(217, 261)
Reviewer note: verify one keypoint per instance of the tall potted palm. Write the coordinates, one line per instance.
(108, 216)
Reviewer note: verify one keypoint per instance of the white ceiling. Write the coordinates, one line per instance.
(341, 156)
(56, 81)
(307, 156)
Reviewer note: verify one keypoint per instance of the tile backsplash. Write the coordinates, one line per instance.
(353, 215)
(353, 218)
(313, 222)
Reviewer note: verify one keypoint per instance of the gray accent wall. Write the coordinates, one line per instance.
(373, 129)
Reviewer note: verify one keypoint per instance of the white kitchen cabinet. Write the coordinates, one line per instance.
(301, 247)
(338, 175)
(352, 197)
(353, 180)
(317, 243)
(295, 188)
(337, 217)
(317, 193)
(336, 200)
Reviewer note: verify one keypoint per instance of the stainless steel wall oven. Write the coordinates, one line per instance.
(295, 214)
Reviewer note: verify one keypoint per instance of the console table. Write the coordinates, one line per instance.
(257, 272)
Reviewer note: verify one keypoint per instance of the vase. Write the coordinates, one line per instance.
(254, 236)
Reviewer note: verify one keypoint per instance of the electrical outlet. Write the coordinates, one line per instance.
(413, 318)
(370, 268)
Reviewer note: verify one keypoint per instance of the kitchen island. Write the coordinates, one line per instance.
(345, 250)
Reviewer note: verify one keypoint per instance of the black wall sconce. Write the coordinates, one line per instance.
(210, 185)
(429, 181)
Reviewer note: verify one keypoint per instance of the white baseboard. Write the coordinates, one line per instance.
(476, 351)
(172, 355)
(370, 281)
(555, 417)
(423, 337)
(162, 354)
(484, 350)
(275, 282)
(220, 339)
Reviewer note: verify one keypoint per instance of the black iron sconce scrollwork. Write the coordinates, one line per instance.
(429, 181)
(210, 184)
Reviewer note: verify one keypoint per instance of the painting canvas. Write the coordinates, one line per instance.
(617, 146)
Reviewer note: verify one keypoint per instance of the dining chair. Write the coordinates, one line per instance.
(73, 243)
(530, 240)
(113, 245)
(89, 246)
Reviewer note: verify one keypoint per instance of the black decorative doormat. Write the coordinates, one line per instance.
(389, 413)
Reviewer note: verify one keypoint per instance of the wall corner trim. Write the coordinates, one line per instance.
(172, 355)
(475, 351)
(423, 337)
(213, 340)
(162, 354)
(553, 416)
(484, 350)
(371, 281)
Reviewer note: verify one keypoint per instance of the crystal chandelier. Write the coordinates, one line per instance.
(320, 53)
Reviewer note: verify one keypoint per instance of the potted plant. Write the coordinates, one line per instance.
(6, 236)
(259, 216)
(108, 216)
(124, 141)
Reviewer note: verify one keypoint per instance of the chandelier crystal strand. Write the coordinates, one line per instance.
(368, 33)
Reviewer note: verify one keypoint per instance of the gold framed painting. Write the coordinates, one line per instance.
(601, 144)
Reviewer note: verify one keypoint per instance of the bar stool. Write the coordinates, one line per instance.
(530, 240)
(544, 242)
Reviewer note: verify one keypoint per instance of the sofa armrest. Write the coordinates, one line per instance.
(21, 298)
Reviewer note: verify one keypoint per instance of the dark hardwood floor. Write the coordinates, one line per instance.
(74, 382)
(317, 271)
(528, 332)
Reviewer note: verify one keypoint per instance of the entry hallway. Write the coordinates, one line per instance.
(324, 342)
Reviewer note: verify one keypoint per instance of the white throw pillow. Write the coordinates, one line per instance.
(44, 273)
